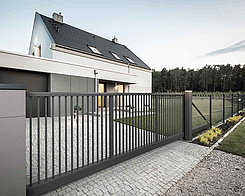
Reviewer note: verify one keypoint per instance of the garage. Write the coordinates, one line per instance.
(34, 81)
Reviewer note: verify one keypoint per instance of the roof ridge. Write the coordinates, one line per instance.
(84, 30)
(74, 37)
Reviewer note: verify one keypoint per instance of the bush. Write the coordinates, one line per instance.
(235, 118)
(209, 136)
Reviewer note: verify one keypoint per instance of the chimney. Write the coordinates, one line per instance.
(115, 40)
(58, 17)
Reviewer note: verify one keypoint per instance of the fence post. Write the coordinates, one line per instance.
(111, 134)
(156, 117)
(237, 103)
(223, 108)
(210, 111)
(232, 110)
(12, 140)
(243, 101)
(188, 115)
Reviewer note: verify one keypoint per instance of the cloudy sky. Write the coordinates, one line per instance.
(168, 34)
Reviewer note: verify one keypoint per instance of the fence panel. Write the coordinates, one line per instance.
(200, 113)
(77, 134)
(210, 110)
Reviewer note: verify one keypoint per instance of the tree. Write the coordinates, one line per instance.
(209, 78)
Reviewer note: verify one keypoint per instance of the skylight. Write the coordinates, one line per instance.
(115, 55)
(94, 50)
(129, 59)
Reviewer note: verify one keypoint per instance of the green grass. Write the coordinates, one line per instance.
(169, 121)
(235, 142)
(171, 111)
(217, 112)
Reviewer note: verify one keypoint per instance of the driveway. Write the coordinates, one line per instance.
(152, 173)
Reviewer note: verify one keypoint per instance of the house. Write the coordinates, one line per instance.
(54, 39)
(63, 58)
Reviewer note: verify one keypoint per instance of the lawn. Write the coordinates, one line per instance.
(203, 104)
(235, 142)
(169, 120)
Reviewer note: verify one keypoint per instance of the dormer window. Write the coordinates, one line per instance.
(129, 59)
(115, 56)
(94, 50)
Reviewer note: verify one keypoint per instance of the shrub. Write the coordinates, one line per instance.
(218, 131)
(203, 140)
(235, 118)
(209, 136)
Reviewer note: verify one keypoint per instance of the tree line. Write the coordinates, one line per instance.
(211, 78)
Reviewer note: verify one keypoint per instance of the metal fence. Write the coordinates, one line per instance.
(72, 135)
(212, 109)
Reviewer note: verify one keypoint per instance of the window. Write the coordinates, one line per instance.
(94, 50)
(129, 59)
(119, 88)
(39, 51)
(115, 56)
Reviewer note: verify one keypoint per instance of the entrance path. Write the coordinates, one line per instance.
(151, 173)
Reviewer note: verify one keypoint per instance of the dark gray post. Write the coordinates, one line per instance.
(156, 117)
(242, 101)
(12, 140)
(188, 115)
(210, 111)
(237, 103)
(111, 134)
(232, 110)
(223, 108)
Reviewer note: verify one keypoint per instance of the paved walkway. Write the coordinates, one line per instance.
(152, 173)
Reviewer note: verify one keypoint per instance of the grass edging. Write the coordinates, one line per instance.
(224, 136)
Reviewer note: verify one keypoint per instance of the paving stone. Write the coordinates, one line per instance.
(152, 173)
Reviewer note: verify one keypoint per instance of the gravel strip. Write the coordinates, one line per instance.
(219, 173)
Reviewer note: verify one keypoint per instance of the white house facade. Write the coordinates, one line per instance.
(63, 58)
(51, 38)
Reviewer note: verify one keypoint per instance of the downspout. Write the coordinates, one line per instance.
(95, 81)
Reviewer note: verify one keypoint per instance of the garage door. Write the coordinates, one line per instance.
(34, 81)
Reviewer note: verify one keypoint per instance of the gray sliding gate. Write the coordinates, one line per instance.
(77, 136)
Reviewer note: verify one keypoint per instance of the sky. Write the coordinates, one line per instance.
(164, 34)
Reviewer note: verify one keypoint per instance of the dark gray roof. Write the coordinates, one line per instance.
(77, 39)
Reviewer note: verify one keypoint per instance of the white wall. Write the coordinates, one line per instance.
(32, 63)
(41, 37)
(142, 81)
